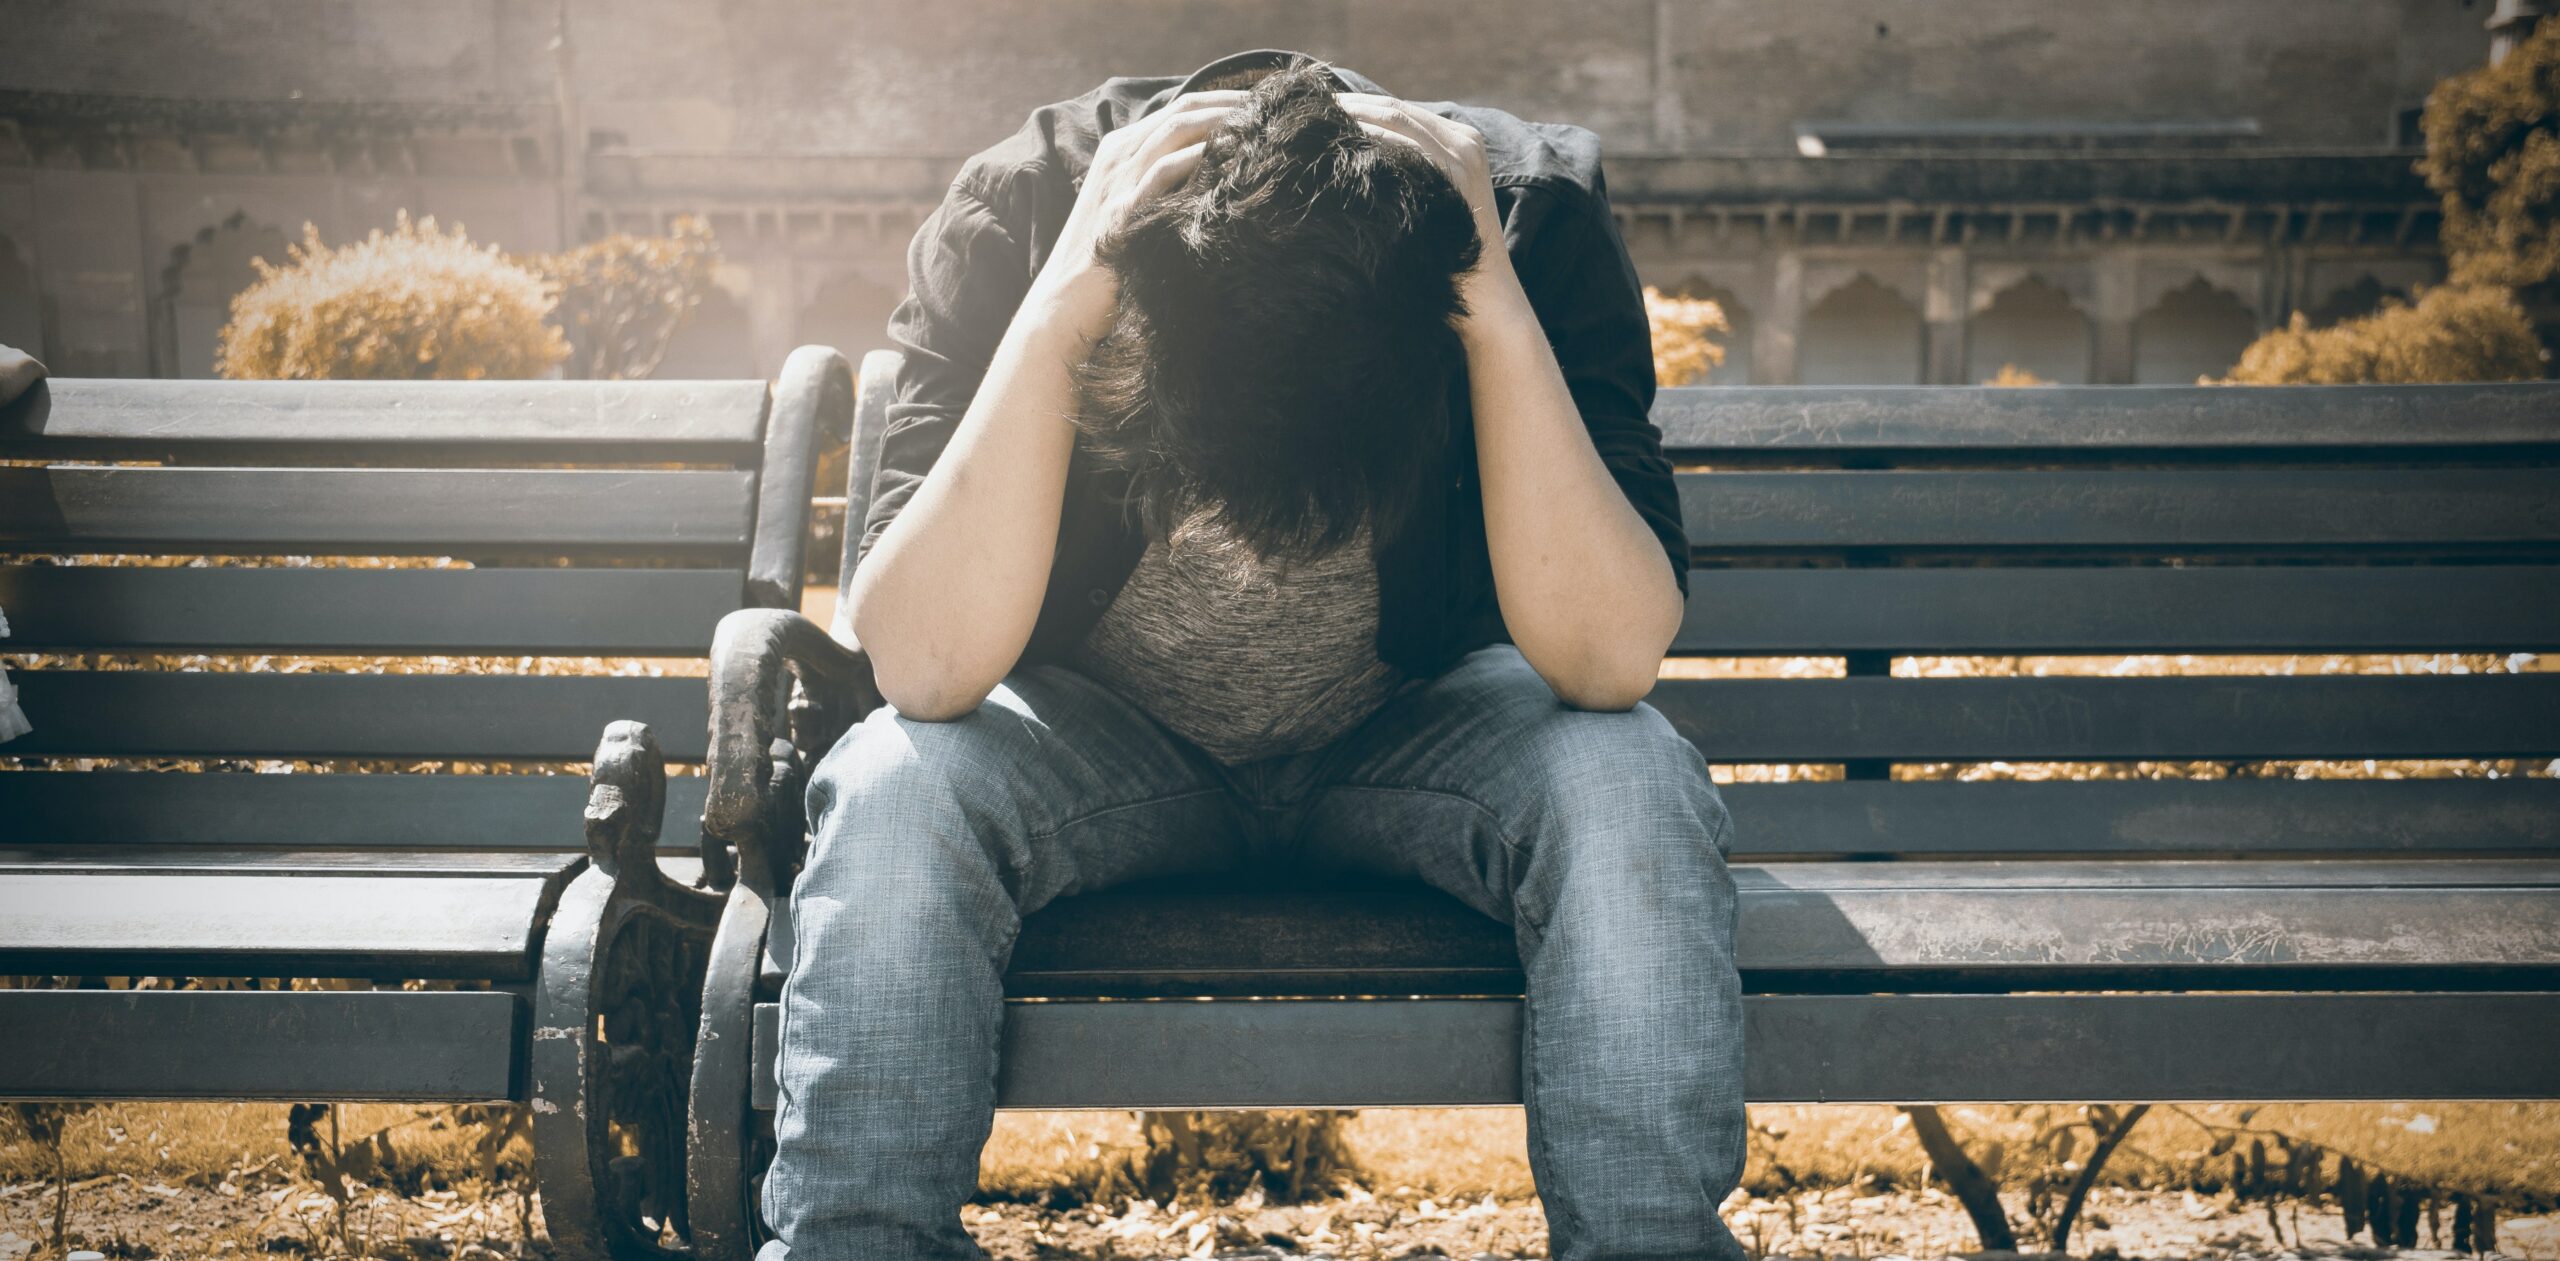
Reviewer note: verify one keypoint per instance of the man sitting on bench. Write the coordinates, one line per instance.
(1268, 483)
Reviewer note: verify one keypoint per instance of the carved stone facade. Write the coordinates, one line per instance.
(1877, 190)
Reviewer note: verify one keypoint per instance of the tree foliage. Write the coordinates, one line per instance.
(621, 299)
(2454, 333)
(2493, 155)
(412, 304)
(1682, 352)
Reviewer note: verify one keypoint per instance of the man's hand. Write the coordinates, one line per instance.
(1132, 165)
(953, 588)
(1579, 577)
(1454, 147)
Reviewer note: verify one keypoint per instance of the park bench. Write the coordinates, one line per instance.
(614, 519)
(2253, 936)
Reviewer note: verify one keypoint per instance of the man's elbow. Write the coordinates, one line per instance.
(922, 685)
(1607, 690)
(1608, 676)
(1606, 668)
(926, 696)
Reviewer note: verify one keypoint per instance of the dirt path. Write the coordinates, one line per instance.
(141, 1220)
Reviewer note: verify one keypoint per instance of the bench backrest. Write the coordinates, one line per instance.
(581, 519)
(1862, 526)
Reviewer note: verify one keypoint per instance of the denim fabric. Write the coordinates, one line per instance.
(1597, 836)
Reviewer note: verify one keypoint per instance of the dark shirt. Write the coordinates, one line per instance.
(975, 257)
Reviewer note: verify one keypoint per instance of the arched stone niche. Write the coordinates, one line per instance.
(850, 312)
(2197, 329)
(202, 276)
(715, 341)
(1860, 333)
(21, 315)
(2032, 324)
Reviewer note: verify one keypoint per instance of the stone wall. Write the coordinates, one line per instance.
(2153, 179)
(1652, 76)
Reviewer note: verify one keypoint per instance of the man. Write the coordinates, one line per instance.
(1268, 481)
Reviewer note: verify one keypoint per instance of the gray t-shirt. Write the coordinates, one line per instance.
(1246, 657)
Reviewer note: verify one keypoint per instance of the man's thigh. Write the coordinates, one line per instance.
(1457, 779)
(1055, 784)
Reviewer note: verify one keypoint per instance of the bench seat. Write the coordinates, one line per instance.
(1799, 1048)
(461, 903)
(391, 915)
(1828, 927)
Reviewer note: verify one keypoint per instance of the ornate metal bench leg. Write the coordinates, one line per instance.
(615, 1013)
(729, 1149)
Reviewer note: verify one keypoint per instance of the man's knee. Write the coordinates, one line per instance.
(893, 782)
(1622, 760)
(1626, 797)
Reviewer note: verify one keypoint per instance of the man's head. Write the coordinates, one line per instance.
(1286, 335)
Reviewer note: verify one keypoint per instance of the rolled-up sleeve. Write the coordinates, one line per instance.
(966, 275)
(1574, 265)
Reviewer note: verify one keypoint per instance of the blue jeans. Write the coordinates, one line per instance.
(1597, 836)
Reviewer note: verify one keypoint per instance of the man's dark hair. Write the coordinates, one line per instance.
(1286, 332)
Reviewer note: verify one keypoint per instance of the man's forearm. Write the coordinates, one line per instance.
(947, 598)
(1581, 579)
(946, 601)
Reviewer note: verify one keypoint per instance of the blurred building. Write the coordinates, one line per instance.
(1877, 190)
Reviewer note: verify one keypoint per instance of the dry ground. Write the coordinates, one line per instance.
(172, 1181)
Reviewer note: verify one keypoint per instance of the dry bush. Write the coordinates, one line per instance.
(411, 304)
(622, 298)
(1682, 352)
(2493, 155)
(2453, 333)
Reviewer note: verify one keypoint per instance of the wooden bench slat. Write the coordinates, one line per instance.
(2143, 509)
(360, 1046)
(138, 860)
(366, 511)
(1862, 1048)
(131, 713)
(2209, 608)
(137, 713)
(618, 420)
(1708, 420)
(543, 612)
(381, 813)
(247, 920)
(2065, 719)
(2414, 817)
(2157, 817)
(1821, 926)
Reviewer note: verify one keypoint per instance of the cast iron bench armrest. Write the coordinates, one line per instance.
(782, 691)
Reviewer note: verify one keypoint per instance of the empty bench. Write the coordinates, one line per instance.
(480, 936)
(2251, 935)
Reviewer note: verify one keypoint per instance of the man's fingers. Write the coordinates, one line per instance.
(1429, 145)
(1171, 130)
(1224, 98)
(1402, 115)
(1387, 113)
(1166, 173)
(1186, 111)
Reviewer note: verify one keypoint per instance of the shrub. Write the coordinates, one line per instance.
(2454, 333)
(2493, 155)
(1682, 355)
(623, 298)
(411, 304)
